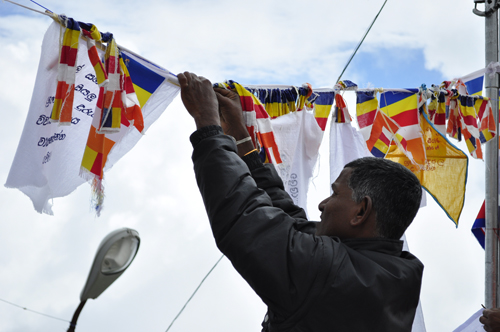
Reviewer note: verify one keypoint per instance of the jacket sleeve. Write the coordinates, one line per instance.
(268, 179)
(283, 265)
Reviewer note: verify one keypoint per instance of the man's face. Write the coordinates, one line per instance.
(339, 209)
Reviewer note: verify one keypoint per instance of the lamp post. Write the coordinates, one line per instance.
(114, 255)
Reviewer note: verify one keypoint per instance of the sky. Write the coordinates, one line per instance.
(45, 259)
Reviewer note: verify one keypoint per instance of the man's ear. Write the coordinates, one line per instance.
(363, 213)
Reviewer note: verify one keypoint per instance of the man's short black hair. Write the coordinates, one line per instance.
(394, 190)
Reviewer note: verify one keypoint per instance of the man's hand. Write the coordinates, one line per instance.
(230, 113)
(199, 99)
(491, 320)
(232, 120)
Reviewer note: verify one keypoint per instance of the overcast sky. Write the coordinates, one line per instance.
(45, 259)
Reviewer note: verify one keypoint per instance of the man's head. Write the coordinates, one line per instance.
(372, 197)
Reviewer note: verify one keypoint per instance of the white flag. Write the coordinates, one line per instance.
(49, 156)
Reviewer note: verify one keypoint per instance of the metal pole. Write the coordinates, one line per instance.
(491, 162)
(72, 324)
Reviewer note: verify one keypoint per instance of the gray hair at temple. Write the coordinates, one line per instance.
(394, 190)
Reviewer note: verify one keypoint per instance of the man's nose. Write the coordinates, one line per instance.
(321, 205)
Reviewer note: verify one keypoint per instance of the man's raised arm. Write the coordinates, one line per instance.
(261, 240)
(265, 176)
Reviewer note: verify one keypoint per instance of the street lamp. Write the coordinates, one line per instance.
(115, 253)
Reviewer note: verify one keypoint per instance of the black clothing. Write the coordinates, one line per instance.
(309, 283)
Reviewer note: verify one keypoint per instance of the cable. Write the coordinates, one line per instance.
(18, 4)
(361, 42)
(36, 3)
(180, 312)
(36, 312)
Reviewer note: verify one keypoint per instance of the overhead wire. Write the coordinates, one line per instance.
(361, 42)
(36, 312)
(36, 3)
(192, 295)
(38, 11)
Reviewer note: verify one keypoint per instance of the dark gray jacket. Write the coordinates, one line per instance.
(309, 283)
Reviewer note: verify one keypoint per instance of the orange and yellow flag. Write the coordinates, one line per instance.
(445, 173)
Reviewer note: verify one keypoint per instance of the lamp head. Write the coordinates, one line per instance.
(115, 253)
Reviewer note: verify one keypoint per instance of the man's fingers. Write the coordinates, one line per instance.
(182, 79)
(225, 92)
(186, 78)
(219, 96)
(222, 91)
(189, 75)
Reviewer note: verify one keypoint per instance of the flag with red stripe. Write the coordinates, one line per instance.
(62, 109)
(258, 123)
(402, 107)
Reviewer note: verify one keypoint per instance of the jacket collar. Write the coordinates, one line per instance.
(382, 245)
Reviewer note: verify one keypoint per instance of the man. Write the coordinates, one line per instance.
(349, 272)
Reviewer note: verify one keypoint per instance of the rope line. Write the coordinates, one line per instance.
(196, 290)
(361, 42)
(36, 312)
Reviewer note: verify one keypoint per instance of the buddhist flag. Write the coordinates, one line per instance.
(273, 103)
(437, 111)
(145, 81)
(112, 104)
(305, 91)
(65, 93)
(445, 173)
(138, 75)
(322, 101)
(347, 85)
(487, 128)
(468, 125)
(479, 226)
(471, 84)
(366, 109)
(258, 123)
(402, 107)
(341, 113)
(382, 133)
(453, 127)
(146, 77)
(476, 122)
(131, 103)
(276, 101)
(431, 108)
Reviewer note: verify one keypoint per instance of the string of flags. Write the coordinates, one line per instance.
(112, 88)
(406, 125)
(395, 118)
